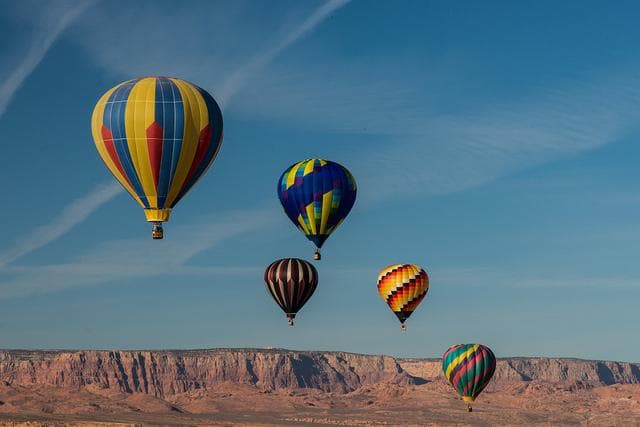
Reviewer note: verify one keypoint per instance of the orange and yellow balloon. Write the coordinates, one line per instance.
(403, 287)
(157, 136)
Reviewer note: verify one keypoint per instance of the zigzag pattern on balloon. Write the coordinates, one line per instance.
(468, 368)
(403, 287)
(317, 195)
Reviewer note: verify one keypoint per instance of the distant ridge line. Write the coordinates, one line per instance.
(169, 372)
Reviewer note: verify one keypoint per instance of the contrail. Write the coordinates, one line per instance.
(80, 209)
(245, 72)
(10, 84)
(73, 214)
(140, 258)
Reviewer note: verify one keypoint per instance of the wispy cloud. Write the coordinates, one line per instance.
(78, 210)
(239, 78)
(416, 150)
(137, 258)
(446, 154)
(56, 17)
(73, 214)
(491, 278)
(217, 62)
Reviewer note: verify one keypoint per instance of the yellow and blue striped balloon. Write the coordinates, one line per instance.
(157, 136)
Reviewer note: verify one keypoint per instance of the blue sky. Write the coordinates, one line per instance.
(493, 143)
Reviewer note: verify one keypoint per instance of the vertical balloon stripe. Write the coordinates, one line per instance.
(173, 132)
(340, 189)
(137, 123)
(149, 132)
(278, 284)
(114, 120)
(155, 146)
(325, 210)
(100, 133)
(165, 114)
(156, 133)
(111, 150)
(275, 286)
(318, 194)
(210, 141)
(204, 139)
(295, 280)
(298, 199)
(340, 198)
(191, 130)
(217, 130)
(327, 197)
(104, 144)
(305, 195)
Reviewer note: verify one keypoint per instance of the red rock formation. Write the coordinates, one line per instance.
(164, 373)
(167, 373)
(540, 368)
(280, 387)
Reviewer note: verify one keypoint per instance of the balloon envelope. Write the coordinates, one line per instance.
(291, 282)
(403, 287)
(468, 368)
(157, 136)
(317, 195)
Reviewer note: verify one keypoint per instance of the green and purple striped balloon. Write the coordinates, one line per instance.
(468, 368)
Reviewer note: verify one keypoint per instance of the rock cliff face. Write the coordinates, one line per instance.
(540, 368)
(167, 373)
(164, 373)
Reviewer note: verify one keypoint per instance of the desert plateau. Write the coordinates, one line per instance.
(269, 387)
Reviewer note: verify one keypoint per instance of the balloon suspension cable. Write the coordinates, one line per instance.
(316, 255)
(156, 230)
(469, 408)
(290, 321)
(403, 328)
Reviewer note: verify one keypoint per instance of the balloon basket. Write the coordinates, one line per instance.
(317, 256)
(403, 328)
(157, 231)
(469, 408)
(290, 321)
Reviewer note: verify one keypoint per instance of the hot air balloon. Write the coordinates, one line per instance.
(317, 195)
(157, 136)
(291, 282)
(468, 368)
(403, 287)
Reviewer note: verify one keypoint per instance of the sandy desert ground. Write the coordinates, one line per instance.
(416, 405)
